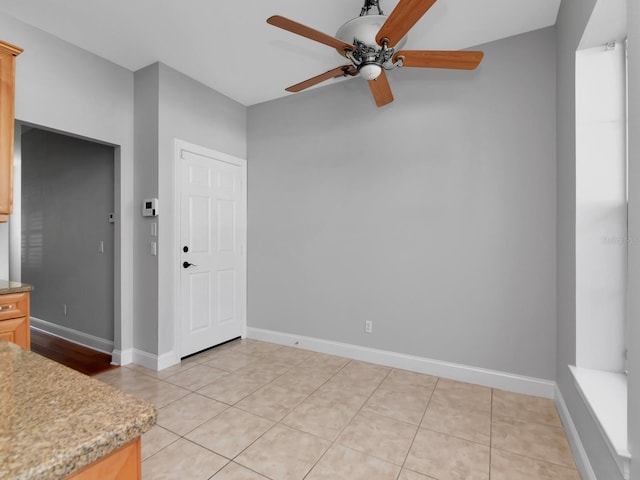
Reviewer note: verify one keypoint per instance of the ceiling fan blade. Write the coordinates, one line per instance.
(381, 90)
(462, 60)
(310, 33)
(341, 71)
(402, 18)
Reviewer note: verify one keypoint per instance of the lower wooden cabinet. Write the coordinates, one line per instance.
(123, 464)
(14, 319)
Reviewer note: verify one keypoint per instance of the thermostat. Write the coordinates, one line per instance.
(150, 207)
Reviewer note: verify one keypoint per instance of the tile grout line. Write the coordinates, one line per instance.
(279, 421)
(521, 420)
(359, 410)
(232, 460)
(536, 459)
(491, 434)
(335, 440)
(418, 429)
(251, 413)
(183, 437)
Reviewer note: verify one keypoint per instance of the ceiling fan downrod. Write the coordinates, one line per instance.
(368, 5)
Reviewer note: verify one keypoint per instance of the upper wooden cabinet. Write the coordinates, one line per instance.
(8, 54)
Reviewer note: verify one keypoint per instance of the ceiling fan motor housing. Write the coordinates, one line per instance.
(368, 57)
(364, 29)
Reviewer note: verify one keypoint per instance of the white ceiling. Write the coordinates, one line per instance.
(230, 47)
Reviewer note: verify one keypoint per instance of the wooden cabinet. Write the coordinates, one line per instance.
(122, 464)
(8, 54)
(14, 319)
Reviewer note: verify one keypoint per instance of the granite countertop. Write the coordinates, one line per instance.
(7, 286)
(54, 420)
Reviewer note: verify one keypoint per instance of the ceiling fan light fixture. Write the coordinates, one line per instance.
(370, 71)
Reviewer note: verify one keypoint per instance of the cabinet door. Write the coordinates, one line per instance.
(14, 305)
(123, 464)
(8, 54)
(16, 331)
(14, 319)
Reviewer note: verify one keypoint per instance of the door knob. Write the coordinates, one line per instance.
(187, 264)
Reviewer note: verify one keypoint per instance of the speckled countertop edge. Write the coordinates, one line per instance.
(56, 420)
(7, 286)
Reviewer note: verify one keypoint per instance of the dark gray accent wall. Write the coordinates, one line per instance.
(67, 195)
(434, 217)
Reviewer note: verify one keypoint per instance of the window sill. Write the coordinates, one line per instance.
(605, 394)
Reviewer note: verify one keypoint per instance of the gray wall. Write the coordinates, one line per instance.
(572, 20)
(67, 192)
(170, 105)
(633, 338)
(443, 235)
(192, 112)
(434, 217)
(65, 88)
(145, 329)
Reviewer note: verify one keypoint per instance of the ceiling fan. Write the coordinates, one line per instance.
(372, 43)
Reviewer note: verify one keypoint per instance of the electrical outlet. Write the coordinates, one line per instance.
(368, 326)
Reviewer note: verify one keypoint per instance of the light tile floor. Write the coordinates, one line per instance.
(251, 410)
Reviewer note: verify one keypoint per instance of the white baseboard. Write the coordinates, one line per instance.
(155, 362)
(579, 453)
(453, 371)
(75, 336)
(147, 360)
(122, 357)
(167, 360)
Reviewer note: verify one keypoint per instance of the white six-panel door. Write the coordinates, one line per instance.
(212, 253)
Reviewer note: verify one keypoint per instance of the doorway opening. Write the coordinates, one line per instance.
(67, 242)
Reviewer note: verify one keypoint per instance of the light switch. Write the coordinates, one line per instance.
(154, 229)
(154, 248)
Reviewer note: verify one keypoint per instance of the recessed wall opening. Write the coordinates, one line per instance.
(66, 246)
(601, 207)
(601, 228)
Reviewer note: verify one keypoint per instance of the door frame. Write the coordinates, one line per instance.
(181, 145)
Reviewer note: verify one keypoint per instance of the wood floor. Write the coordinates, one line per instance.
(82, 359)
